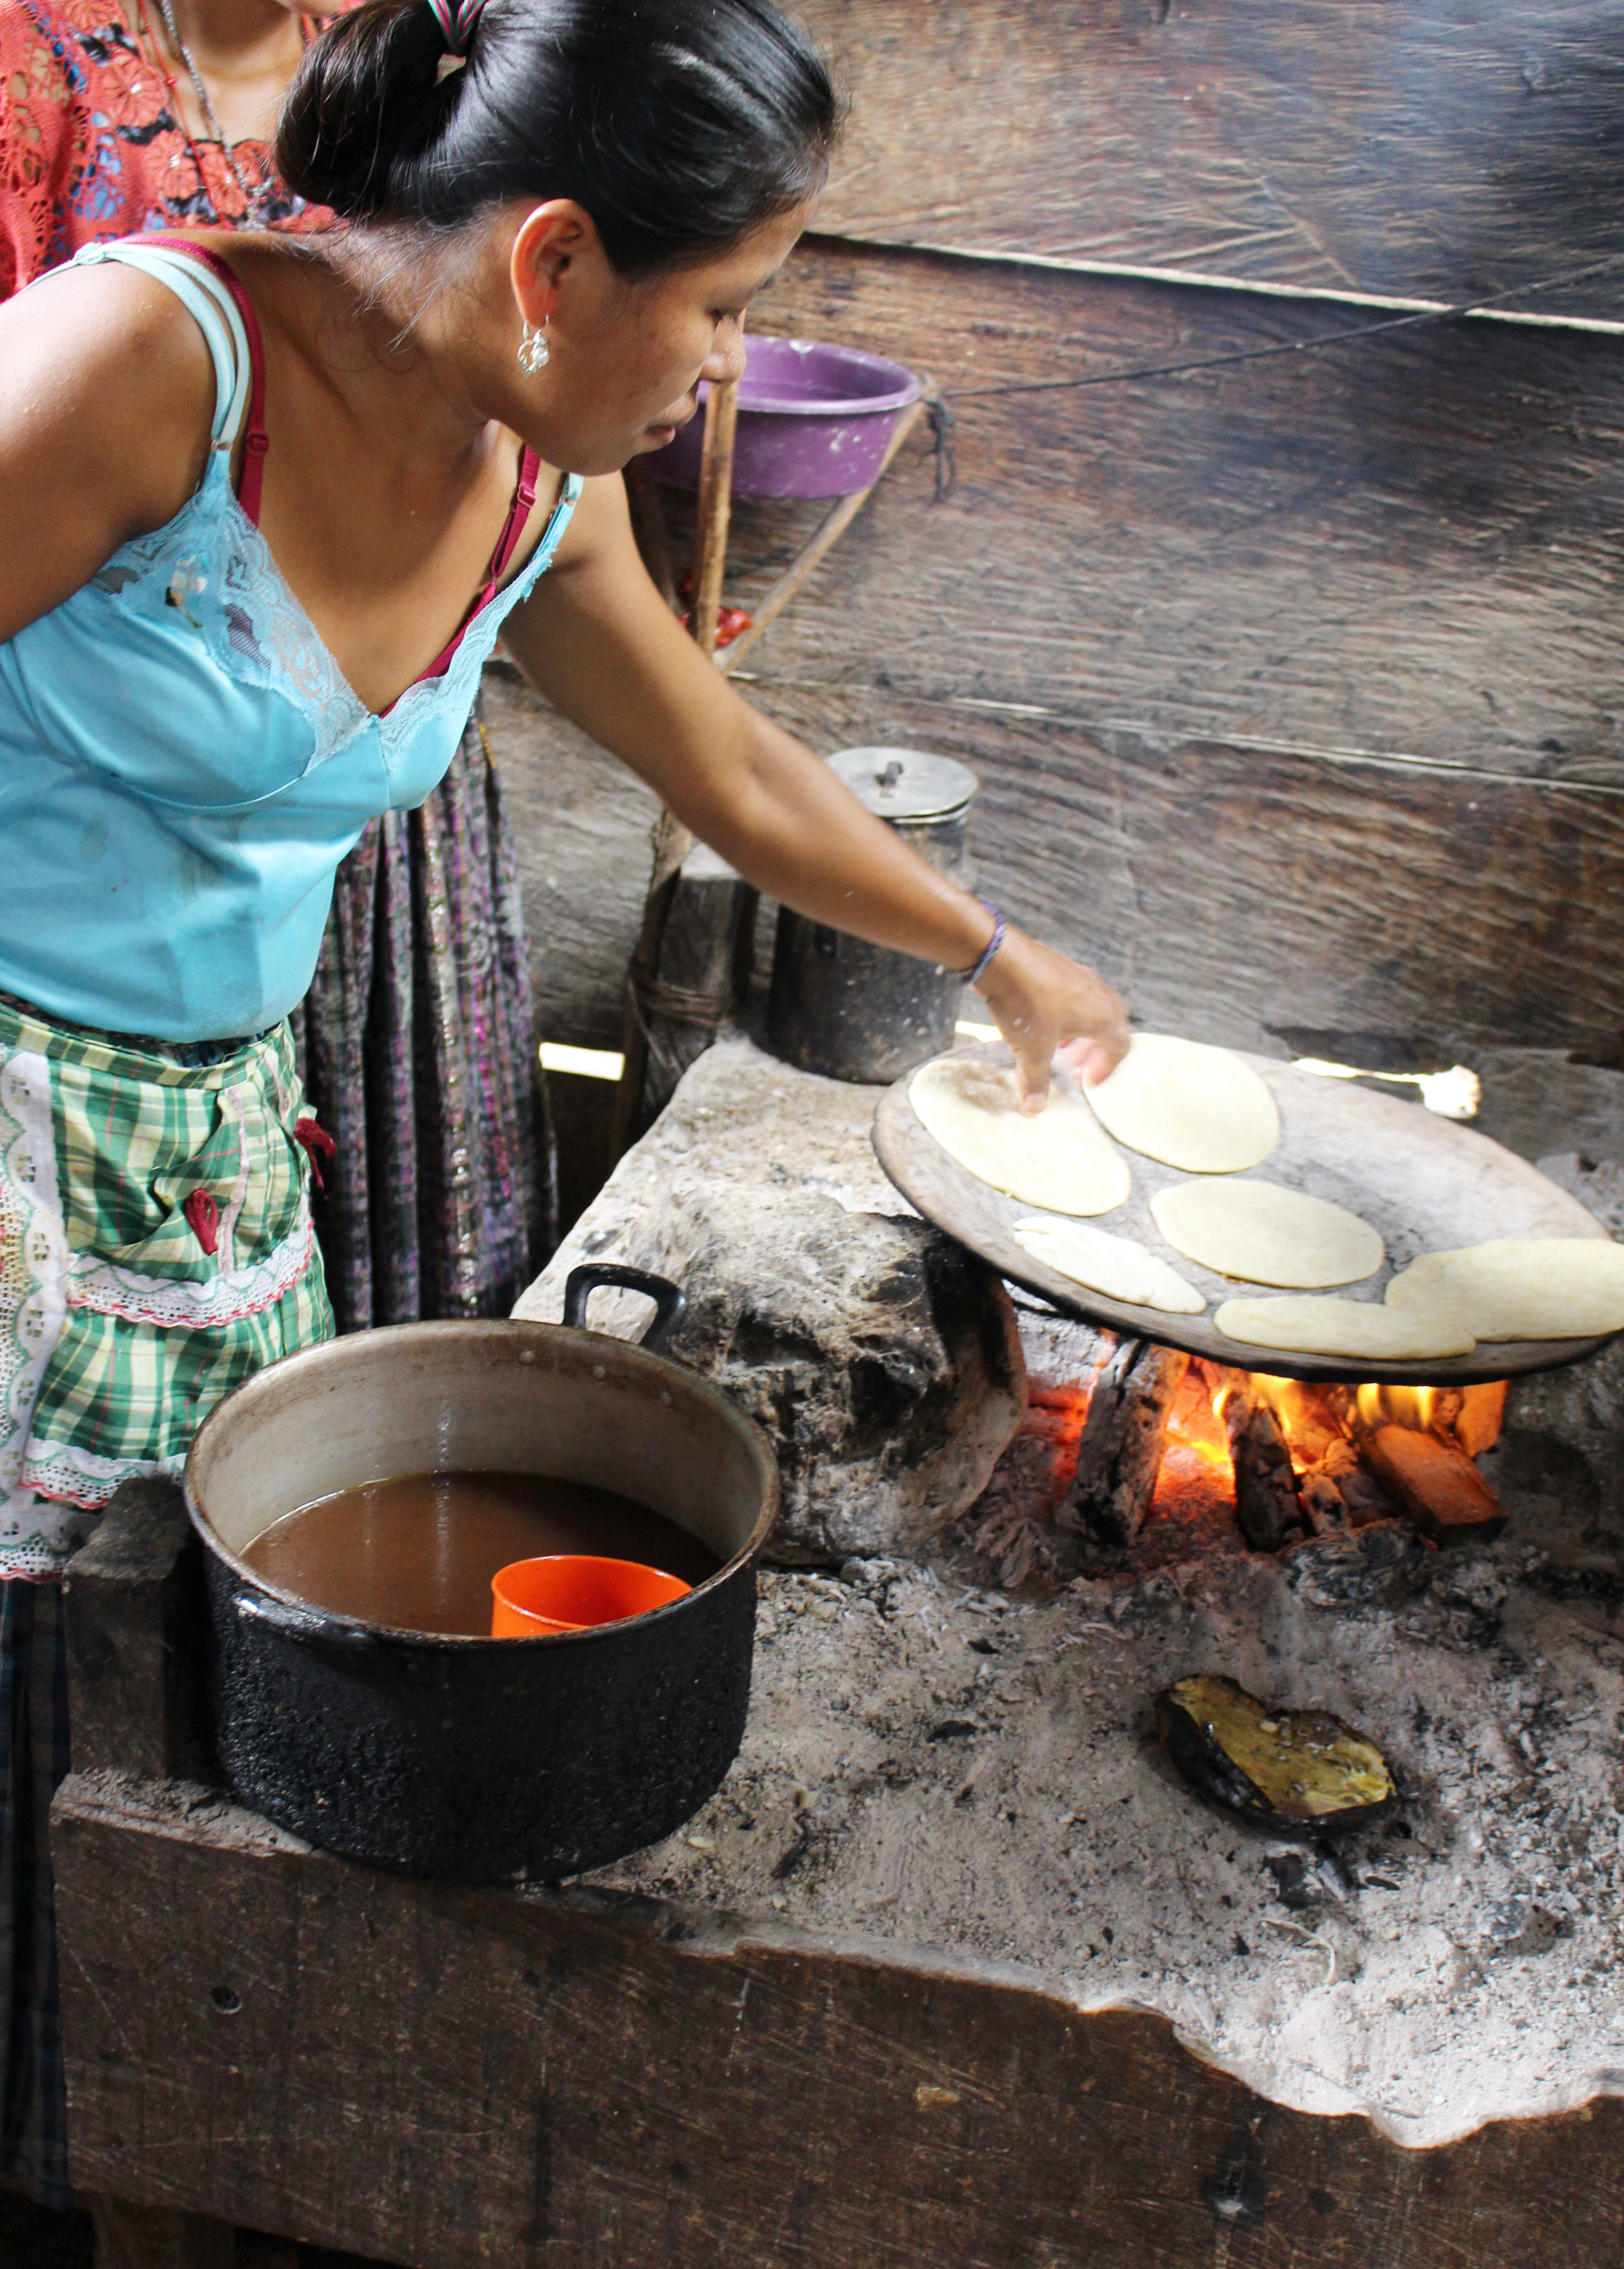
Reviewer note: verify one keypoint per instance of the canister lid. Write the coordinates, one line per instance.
(906, 784)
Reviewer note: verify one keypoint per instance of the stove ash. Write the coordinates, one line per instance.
(1133, 1455)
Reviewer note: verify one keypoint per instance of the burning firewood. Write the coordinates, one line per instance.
(1340, 1492)
(1265, 1490)
(1437, 1482)
(1129, 1405)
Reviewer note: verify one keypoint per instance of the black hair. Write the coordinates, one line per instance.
(679, 125)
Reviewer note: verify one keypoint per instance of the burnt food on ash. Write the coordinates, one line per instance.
(1294, 1772)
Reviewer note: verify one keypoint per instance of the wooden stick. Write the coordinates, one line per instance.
(829, 529)
(673, 841)
(721, 420)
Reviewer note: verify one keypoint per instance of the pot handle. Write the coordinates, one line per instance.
(328, 1634)
(670, 1301)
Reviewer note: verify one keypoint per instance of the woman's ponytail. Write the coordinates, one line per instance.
(678, 124)
(365, 98)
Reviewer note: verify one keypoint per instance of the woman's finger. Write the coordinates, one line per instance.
(1034, 1055)
(1095, 1059)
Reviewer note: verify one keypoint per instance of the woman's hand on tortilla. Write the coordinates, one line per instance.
(1046, 1005)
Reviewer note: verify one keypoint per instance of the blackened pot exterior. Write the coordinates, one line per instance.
(480, 1760)
(492, 1761)
(847, 1009)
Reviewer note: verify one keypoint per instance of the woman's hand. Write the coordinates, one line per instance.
(1043, 1003)
(600, 643)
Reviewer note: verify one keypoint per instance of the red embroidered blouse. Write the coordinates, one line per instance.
(91, 146)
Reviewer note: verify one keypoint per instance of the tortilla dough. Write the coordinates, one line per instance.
(1192, 1107)
(1305, 1326)
(1057, 1158)
(1265, 1234)
(1520, 1287)
(1115, 1266)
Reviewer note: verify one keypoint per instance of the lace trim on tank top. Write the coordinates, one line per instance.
(219, 573)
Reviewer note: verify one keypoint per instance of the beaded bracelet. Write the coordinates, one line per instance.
(974, 976)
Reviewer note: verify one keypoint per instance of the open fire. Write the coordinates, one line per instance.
(1171, 1455)
(1310, 1460)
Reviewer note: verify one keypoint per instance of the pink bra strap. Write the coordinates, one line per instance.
(512, 529)
(519, 512)
(255, 440)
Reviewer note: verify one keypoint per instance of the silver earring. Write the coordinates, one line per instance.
(533, 352)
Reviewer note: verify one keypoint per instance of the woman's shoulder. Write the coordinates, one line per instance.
(110, 334)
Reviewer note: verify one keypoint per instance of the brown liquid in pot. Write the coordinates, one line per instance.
(417, 1553)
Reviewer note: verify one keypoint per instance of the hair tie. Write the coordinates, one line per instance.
(456, 28)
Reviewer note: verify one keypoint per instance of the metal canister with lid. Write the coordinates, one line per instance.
(852, 1010)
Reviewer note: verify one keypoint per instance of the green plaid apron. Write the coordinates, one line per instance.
(119, 1330)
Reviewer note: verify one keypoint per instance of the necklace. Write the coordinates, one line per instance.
(253, 199)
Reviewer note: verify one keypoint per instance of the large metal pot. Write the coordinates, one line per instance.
(482, 1760)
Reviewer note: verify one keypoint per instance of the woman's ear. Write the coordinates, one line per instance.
(552, 238)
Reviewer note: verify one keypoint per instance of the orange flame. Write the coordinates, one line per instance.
(1471, 1414)
(1400, 1405)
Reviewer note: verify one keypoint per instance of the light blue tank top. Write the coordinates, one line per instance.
(182, 765)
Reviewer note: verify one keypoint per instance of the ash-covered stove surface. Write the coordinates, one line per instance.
(938, 1762)
(1425, 1184)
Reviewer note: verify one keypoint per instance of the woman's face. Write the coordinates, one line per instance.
(626, 358)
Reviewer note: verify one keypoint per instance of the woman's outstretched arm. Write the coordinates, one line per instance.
(596, 638)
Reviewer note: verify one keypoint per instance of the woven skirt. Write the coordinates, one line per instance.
(156, 1248)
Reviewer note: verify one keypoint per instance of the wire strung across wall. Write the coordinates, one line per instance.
(942, 416)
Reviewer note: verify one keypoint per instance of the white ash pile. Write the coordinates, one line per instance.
(944, 1767)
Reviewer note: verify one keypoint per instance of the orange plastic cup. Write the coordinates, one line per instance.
(574, 1591)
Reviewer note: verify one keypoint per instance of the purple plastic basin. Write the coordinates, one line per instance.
(814, 421)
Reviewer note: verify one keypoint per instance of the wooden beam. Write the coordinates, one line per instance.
(673, 841)
(558, 2080)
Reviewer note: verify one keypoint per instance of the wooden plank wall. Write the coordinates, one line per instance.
(1437, 147)
(1294, 684)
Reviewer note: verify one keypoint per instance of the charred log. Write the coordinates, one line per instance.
(1265, 1490)
(1340, 1492)
(1130, 1403)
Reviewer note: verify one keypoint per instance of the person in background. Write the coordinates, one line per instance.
(126, 117)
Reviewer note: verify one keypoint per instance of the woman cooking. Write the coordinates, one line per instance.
(418, 1029)
(265, 503)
